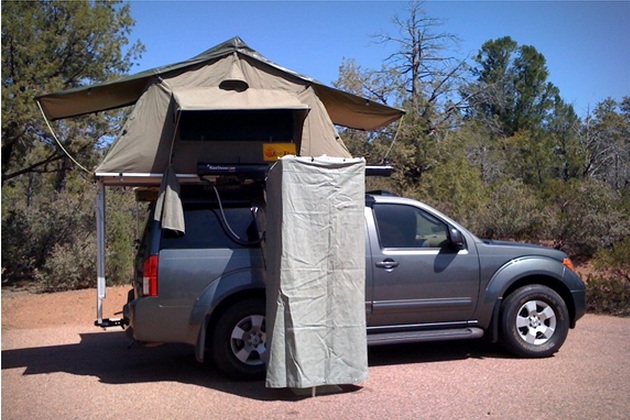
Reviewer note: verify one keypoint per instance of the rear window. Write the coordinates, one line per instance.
(205, 229)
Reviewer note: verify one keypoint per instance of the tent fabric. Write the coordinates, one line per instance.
(215, 98)
(315, 255)
(344, 109)
(144, 145)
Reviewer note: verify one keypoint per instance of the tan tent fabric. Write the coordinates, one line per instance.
(344, 109)
(137, 150)
(144, 143)
(318, 127)
(215, 98)
(228, 76)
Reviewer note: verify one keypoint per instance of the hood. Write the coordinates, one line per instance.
(517, 249)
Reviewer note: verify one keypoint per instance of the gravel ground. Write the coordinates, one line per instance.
(55, 364)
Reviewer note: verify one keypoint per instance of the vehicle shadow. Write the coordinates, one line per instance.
(110, 357)
(397, 354)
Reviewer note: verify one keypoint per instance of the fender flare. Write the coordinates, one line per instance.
(216, 292)
(513, 274)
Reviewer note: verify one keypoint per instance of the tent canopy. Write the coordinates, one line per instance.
(344, 108)
(224, 105)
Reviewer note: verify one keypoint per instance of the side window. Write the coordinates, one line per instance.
(204, 229)
(401, 226)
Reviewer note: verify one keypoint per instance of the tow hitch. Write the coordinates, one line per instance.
(111, 322)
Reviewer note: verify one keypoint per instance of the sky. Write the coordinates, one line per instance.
(586, 43)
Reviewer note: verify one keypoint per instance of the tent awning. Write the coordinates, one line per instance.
(344, 109)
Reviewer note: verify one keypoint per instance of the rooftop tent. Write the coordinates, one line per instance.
(230, 76)
(345, 109)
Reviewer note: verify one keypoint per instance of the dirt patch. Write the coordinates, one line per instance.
(26, 310)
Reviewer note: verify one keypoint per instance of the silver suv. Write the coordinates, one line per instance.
(427, 279)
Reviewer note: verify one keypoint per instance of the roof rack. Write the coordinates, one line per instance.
(382, 171)
(381, 192)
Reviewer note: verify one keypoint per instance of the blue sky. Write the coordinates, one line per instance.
(586, 43)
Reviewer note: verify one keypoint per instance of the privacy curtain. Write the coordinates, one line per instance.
(315, 254)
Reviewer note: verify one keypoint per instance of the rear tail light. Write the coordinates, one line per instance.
(150, 278)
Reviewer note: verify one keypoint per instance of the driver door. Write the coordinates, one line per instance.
(418, 276)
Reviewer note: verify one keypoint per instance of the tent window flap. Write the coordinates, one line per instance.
(268, 125)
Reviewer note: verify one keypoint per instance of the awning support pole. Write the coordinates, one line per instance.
(100, 251)
(101, 284)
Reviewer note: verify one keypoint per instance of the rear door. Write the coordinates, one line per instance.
(416, 276)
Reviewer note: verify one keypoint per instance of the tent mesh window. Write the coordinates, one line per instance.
(276, 125)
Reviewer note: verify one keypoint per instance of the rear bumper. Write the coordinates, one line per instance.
(150, 321)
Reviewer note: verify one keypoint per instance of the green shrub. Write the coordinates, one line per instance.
(50, 238)
(608, 295)
(609, 291)
(69, 266)
(513, 212)
(585, 216)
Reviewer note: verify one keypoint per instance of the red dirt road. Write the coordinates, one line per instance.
(55, 364)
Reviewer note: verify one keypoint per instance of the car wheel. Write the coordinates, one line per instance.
(239, 342)
(534, 321)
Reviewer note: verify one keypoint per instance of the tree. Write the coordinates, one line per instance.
(512, 91)
(47, 204)
(50, 46)
(527, 120)
(425, 70)
(563, 128)
(421, 77)
(605, 142)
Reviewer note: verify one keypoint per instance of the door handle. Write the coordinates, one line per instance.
(387, 264)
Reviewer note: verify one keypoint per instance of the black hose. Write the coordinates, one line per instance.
(227, 227)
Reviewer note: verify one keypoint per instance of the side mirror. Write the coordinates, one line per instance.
(457, 239)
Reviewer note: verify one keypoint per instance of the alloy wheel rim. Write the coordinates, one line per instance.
(536, 322)
(249, 340)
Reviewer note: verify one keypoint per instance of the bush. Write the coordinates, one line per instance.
(18, 260)
(609, 292)
(608, 295)
(50, 238)
(513, 212)
(585, 216)
(69, 266)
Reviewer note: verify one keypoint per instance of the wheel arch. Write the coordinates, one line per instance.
(553, 283)
(517, 274)
(206, 330)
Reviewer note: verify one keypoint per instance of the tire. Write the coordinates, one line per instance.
(534, 322)
(239, 342)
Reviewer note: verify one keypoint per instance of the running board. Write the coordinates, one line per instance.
(379, 339)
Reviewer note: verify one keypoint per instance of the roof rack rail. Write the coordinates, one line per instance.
(381, 192)
(259, 171)
(382, 170)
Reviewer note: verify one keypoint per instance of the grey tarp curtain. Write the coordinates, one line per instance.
(168, 209)
(315, 256)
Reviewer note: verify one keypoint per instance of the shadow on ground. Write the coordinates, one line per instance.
(108, 356)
